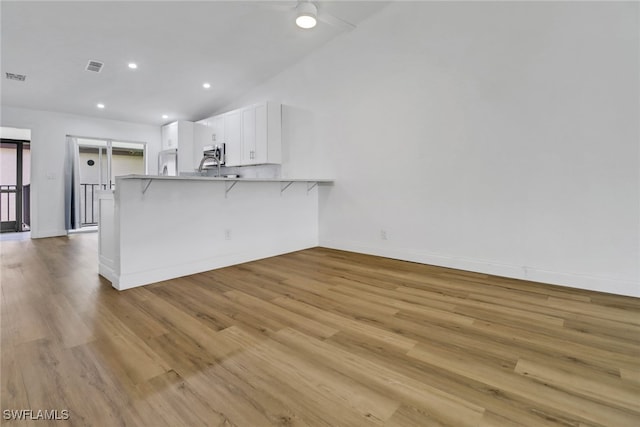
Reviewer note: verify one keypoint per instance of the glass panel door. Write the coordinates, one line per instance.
(14, 185)
(93, 176)
(100, 161)
(127, 158)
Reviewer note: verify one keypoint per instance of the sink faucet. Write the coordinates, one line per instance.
(210, 157)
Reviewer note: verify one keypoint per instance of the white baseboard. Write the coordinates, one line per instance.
(38, 234)
(571, 280)
(141, 278)
(108, 273)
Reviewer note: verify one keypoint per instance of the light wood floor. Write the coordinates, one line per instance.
(314, 338)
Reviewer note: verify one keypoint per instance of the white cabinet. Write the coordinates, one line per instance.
(217, 124)
(170, 136)
(252, 135)
(268, 133)
(261, 134)
(248, 135)
(233, 138)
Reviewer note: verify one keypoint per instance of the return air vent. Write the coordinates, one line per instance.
(95, 66)
(18, 77)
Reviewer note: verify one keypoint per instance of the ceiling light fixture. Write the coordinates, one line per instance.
(206, 85)
(164, 116)
(306, 15)
(133, 65)
(101, 106)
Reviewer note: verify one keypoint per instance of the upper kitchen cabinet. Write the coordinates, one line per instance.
(217, 124)
(262, 134)
(231, 125)
(248, 135)
(252, 135)
(170, 136)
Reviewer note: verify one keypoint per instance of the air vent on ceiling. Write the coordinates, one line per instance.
(18, 77)
(95, 66)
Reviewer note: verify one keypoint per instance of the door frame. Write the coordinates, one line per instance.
(111, 140)
(18, 224)
(109, 181)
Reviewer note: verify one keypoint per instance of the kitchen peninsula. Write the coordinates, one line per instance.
(155, 228)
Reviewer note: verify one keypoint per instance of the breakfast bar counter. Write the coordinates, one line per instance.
(154, 228)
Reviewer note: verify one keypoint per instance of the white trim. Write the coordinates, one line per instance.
(108, 273)
(571, 280)
(132, 280)
(37, 234)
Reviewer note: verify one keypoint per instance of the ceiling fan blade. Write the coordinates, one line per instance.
(283, 5)
(330, 19)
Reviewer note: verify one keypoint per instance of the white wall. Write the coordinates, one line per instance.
(495, 137)
(48, 148)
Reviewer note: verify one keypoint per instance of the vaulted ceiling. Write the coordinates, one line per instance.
(177, 45)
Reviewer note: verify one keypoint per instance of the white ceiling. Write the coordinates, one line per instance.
(178, 45)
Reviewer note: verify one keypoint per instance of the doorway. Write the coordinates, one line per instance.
(96, 164)
(15, 184)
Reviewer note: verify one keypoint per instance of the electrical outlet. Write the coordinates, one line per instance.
(227, 234)
(383, 234)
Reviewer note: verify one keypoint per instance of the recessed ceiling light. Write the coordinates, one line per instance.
(100, 106)
(133, 65)
(206, 85)
(164, 116)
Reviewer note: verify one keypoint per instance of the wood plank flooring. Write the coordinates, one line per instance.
(313, 338)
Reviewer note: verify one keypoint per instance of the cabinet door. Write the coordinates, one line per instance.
(249, 136)
(233, 138)
(170, 136)
(217, 125)
(260, 153)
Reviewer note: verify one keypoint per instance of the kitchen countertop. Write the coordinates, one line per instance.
(213, 178)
